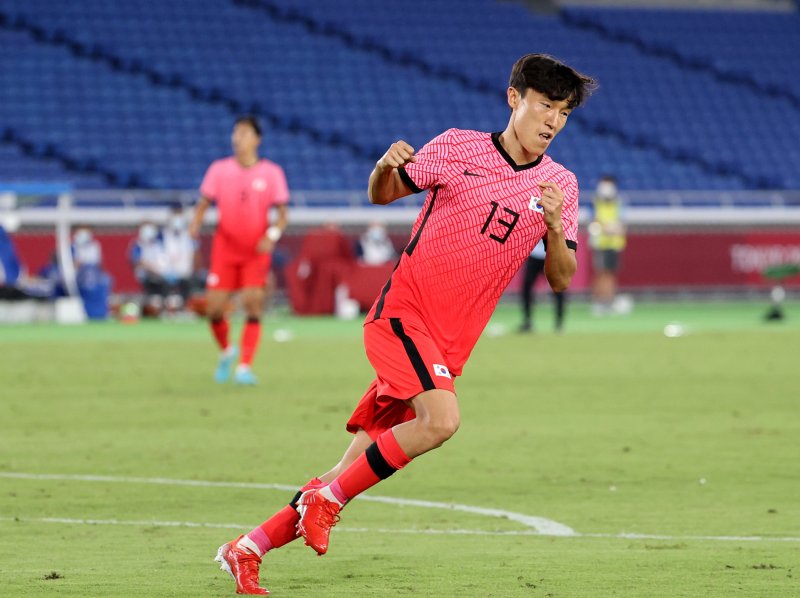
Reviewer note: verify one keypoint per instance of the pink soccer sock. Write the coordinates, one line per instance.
(280, 529)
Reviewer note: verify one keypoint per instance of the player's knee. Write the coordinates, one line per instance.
(442, 428)
(215, 307)
(253, 314)
(215, 313)
(253, 302)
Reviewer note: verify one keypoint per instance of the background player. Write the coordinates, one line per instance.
(244, 188)
(492, 197)
(534, 266)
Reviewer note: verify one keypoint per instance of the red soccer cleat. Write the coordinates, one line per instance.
(317, 516)
(242, 566)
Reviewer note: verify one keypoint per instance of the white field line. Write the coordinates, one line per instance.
(415, 531)
(539, 526)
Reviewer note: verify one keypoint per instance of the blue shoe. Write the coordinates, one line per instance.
(245, 377)
(224, 365)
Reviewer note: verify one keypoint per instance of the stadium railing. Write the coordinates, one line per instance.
(49, 205)
(739, 233)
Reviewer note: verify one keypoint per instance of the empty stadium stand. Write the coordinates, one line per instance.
(142, 93)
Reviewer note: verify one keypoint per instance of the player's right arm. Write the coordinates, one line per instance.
(199, 214)
(385, 183)
(209, 190)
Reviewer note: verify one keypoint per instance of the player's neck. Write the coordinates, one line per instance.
(514, 148)
(247, 160)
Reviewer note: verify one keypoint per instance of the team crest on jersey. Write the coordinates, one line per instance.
(441, 370)
(535, 205)
(259, 184)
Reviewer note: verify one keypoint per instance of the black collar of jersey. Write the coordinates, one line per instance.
(509, 159)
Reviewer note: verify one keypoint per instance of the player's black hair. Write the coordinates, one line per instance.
(551, 77)
(249, 119)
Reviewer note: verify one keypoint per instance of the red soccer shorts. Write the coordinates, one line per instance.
(406, 362)
(231, 270)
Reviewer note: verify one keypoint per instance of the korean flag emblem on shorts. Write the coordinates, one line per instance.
(534, 204)
(441, 370)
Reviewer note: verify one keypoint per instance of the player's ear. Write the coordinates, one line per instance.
(513, 97)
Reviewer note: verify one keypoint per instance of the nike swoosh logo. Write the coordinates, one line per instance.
(468, 173)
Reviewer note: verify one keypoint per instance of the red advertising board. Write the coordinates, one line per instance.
(707, 259)
(666, 260)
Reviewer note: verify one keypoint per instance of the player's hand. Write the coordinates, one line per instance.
(552, 200)
(399, 154)
(265, 245)
(194, 229)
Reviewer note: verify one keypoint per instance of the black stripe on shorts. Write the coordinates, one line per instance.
(413, 354)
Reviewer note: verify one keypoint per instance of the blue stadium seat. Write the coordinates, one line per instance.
(150, 87)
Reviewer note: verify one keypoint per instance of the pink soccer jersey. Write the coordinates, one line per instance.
(477, 226)
(244, 196)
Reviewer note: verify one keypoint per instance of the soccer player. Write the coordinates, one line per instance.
(534, 266)
(492, 197)
(244, 188)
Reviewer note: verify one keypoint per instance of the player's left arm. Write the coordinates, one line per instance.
(560, 262)
(199, 213)
(275, 231)
(280, 201)
(283, 217)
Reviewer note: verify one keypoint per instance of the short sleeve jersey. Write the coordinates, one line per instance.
(479, 223)
(244, 196)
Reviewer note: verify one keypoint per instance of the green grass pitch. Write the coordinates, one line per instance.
(675, 461)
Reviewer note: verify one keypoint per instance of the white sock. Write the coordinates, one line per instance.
(247, 544)
(229, 351)
(242, 368)
(327, 494)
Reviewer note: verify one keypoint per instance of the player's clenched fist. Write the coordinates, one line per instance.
(551, 201)
(399, 154)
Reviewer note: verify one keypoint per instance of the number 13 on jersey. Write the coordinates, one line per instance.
(508, 225)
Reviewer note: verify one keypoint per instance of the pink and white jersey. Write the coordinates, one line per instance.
(244, 196)
(479, 223)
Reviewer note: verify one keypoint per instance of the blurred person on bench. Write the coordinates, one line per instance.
(374, 247)
(149, 261)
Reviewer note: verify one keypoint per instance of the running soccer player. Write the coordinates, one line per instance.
(492, 197)
(244, 188)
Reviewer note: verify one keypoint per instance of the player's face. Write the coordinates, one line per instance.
(244, 139)
(537, 119)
